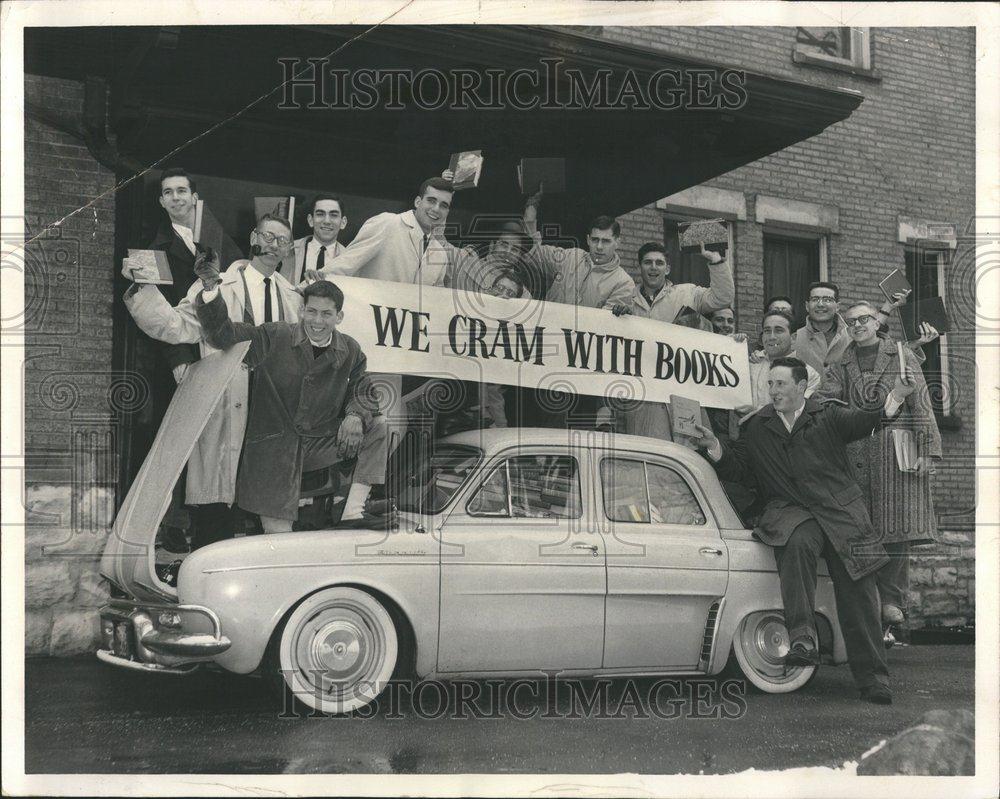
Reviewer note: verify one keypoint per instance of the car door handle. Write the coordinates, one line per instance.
(710, 551)
(591, 547)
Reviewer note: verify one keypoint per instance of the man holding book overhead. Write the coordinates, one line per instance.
(898, 494)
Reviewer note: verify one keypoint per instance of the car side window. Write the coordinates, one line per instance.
(624, 485)
(531, 487)
(636, 491)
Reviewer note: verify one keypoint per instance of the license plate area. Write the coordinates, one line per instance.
(118, 634)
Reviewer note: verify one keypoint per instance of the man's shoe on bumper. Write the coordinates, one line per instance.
(892, 614)
(877, 695)
(802, 653)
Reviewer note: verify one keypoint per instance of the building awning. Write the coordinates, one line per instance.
(171, 85)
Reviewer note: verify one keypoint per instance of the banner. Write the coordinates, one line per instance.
(441, 332)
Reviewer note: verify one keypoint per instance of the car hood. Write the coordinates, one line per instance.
(129, 556)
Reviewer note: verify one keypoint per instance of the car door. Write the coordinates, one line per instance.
(667, 563)
(523, 577)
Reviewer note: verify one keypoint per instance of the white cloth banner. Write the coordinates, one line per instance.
(440, 332)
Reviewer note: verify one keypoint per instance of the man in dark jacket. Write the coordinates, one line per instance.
(795, 448)
(311, 406)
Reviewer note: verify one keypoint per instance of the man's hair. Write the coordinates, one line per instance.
(824, 284)
(779, 298)
(326, 289)
(783, 314)
(509, 274)
(177, 172)
(517, 229)
(603, 222)
(799, 371)
(870, 306)
(320, 197)
(275, 218)
(710, 314)
(651, 246)
(435, 183)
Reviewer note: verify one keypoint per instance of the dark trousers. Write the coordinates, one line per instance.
(857, 602)
(213, 522)
(893, 579)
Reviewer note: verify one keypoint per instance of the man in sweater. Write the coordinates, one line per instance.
(824, 337)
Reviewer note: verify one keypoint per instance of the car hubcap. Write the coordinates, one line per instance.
(765, 643)
(339, 649)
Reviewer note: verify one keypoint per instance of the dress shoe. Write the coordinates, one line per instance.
(802, 653)
(891, 614)
(877, 695)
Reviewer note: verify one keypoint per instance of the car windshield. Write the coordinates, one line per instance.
(427, 478)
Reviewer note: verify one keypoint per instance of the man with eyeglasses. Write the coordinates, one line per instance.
(254, 293)
(823, 338)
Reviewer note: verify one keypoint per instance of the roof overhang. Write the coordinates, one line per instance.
(170, 86)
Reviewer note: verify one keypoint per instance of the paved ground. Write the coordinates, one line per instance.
(84, 716)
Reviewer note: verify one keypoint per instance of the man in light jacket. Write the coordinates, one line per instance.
(822, 340)
(212, 467)
(326, 219)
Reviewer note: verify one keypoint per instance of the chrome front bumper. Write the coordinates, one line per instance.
(149, 636)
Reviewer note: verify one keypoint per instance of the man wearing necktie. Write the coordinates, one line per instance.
(252, 291)
(326, 218)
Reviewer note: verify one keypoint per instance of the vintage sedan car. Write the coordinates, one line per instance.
(517, 550)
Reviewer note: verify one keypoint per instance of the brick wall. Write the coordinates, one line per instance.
(70, 391)
(908, 150)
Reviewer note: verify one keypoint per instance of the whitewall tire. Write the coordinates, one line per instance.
(338, 650)
(759, 645)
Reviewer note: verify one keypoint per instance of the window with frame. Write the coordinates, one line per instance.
(925, 273)
(647, 493)
(841, 48)
(531, 487)
(790, 265)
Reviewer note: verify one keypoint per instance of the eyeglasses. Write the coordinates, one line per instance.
(857, 321)
(823, 300)
(270, 238)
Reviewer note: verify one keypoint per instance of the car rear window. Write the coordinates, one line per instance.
(641, 492)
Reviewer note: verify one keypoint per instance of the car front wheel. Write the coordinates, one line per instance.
(760, 645)
(337, 650)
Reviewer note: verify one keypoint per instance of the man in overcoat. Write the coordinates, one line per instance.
(311, 408)
(212, 467)
(796, 450)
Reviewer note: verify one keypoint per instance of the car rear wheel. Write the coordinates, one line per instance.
(337, 650)
(760, 645)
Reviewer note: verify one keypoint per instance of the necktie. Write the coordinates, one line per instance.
(425, 244)
(321, 260)
(267, 300)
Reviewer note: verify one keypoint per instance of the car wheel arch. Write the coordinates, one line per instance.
(406, 665)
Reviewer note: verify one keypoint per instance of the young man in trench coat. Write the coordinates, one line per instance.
(796, 450)
(312, 402)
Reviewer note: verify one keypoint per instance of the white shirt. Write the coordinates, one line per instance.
(312, 248)
(255, 288)
(186, 234)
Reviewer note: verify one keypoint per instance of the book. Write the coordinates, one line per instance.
(928, 309)
(894, 283)
(905, 445)
(466, 167)
(710, 232)
(549, 173)
(148, 266)
(282, 207)
(207, 230)
(684, 415)
(901, 354)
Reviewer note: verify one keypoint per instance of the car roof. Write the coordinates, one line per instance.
(497, 438)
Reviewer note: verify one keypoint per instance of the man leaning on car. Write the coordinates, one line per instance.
(795, 448)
